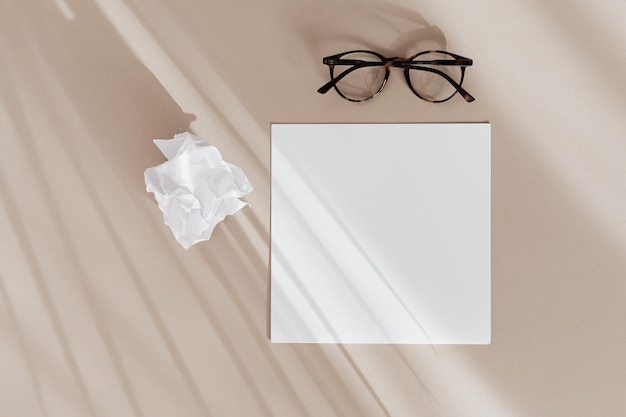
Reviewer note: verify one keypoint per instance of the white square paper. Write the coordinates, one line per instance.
(380, 233)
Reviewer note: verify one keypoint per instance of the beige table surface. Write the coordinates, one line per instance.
(102, 313)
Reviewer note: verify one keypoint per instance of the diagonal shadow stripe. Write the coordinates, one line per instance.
(44, 293)
(23, 345)
(305, 186)
(19, 119)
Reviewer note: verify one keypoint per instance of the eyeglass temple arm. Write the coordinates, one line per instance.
(356, 65)
(458, 59)
(462, 62)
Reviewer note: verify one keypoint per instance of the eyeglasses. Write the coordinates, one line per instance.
(433, 76)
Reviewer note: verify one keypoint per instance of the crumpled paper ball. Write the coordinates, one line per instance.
(195, 189)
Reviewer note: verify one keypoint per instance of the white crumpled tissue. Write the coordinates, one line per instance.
(195, 188)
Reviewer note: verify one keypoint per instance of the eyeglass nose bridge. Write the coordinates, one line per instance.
(396, 61)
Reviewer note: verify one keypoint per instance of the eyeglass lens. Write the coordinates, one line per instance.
(431, 86)
(362, 83)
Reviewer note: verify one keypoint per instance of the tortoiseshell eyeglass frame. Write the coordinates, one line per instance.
(412, 63)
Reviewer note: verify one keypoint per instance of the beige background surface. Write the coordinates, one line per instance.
(103, 314)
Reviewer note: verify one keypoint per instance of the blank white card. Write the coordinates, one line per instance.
(381, 233)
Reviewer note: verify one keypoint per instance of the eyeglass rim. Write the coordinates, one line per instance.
(407, 76)
(400, 62)
(382, 85)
